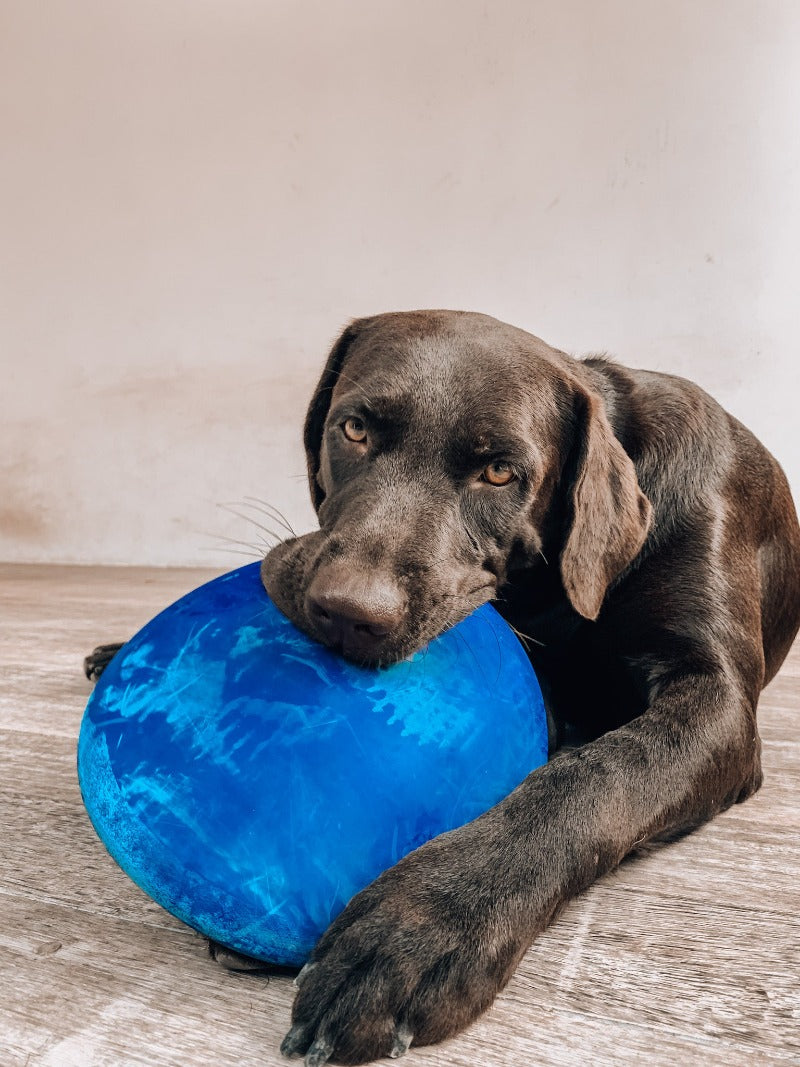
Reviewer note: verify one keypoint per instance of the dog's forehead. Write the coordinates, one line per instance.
(457, 371)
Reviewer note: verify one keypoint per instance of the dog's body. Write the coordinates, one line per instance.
(642, 540)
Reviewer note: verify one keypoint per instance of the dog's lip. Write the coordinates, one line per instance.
(378, 657)
(387, 658)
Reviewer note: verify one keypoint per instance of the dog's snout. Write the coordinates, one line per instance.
(354, 611)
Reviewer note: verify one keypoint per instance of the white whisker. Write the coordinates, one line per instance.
(249, 518)
(270, 511)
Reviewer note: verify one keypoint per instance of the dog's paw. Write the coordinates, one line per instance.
(413, 959)
(97, 661)
(236, 961)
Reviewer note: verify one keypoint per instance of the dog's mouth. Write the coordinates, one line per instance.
(367, 617)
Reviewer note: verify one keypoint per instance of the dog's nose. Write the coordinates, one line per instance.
(354, 611)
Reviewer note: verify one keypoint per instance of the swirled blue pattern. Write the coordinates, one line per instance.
(252, 781)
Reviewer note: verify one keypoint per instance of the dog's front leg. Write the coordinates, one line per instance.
(424, 950)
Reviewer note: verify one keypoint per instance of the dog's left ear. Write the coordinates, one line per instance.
(610, 513)
(318, 411)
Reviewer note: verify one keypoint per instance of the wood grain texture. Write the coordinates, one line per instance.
(688, 954)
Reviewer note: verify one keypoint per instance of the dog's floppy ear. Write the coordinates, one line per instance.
(610, 513)
(318, 411)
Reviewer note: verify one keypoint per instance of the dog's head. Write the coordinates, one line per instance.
(446, 449)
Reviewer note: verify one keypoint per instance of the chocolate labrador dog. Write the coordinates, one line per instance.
(646, 546)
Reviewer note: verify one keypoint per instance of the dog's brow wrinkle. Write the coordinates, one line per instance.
(344, 376)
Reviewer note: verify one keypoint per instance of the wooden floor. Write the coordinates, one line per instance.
(690, 955)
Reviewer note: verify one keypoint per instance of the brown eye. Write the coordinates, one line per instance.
(498, 473)
(355, 430)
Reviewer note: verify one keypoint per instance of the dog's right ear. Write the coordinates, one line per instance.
(318, 411)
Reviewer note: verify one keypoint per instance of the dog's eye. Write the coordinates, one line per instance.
(354, 430)
(498, 473)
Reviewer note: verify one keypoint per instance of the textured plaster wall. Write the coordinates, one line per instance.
(195, 196)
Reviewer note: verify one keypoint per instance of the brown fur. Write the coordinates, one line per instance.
(647, 546)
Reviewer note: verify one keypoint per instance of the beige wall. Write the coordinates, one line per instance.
(197, 194)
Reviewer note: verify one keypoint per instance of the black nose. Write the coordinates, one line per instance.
(354, 611)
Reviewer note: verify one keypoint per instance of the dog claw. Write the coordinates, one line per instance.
(294, 1042)
(402, 1041)
(303, 973)
(319, 1053)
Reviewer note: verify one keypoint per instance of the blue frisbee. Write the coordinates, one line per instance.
(251, 781)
